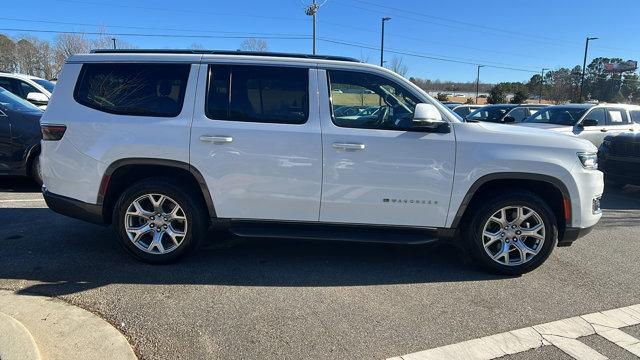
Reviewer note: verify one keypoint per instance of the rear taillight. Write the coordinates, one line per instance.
(52, 132)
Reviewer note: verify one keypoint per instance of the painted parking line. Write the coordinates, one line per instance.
(563, 334)
(19, 200)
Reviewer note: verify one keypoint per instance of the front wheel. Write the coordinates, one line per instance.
(158, 222)
(512, 234)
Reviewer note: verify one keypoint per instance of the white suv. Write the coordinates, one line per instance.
(165, 144)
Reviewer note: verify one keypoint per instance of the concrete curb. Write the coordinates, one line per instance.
(64, 331)
(16, 342)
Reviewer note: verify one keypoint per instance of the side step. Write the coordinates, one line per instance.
(334, 232)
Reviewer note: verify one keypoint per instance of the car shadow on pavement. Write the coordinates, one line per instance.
(66, 256)
(18, 184)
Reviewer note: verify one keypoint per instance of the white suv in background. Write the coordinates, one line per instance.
(587, 121)
(31, 88)
(162, 145)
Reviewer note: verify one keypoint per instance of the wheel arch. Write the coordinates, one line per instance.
(552, 190)
(122, 172)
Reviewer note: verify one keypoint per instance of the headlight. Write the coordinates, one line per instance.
(589, 160)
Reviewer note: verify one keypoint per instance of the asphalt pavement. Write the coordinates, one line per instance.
(298, 299)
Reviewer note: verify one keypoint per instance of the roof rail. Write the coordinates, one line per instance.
(222, 52)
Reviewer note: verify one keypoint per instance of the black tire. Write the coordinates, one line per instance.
(191, 203)
(491, 206)
(36, 170)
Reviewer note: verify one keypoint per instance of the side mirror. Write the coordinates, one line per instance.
(509, 119)
(589, 122)
(37, 98)
(428, 117)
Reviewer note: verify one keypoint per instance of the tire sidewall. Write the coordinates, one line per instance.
(475, 241)
(36, 170)
(184, 199)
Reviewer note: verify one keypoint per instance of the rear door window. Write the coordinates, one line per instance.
(265, 94)
(133, 89)
(617, 117)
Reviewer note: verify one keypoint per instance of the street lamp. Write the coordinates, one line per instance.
(584, 64)
(478, 83)
(384, 19)
(541, 84)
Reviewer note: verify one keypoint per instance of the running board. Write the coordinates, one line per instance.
(334, 232)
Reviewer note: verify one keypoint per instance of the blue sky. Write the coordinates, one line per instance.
(521, 35)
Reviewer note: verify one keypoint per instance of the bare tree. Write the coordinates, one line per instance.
(7, 54)
(253, 44)
(105, 41)
(398, 67)
(196, 46)
(67, 45)
(26, 57)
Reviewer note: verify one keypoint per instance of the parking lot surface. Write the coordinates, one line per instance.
(293, 299)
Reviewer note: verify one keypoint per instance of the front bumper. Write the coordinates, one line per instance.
(74, 208)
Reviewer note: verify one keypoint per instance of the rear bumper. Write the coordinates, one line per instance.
(573, 234)
(74, 208)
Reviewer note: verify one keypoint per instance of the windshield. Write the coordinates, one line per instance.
(489, 113)
(9, 101)
(45, 84)
(557, 116)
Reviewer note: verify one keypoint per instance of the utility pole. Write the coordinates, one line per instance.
(584, 64)
(478, 83)
(312, 10)
(541, 84)
(114, 43)
(384, 19)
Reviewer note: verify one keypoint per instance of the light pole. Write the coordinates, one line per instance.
(114, 43)
(541, 84)
(478, 83)
(584, 64)
(384, 19)
(311, 10)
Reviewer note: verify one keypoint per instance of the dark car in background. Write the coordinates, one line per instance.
(619, 159)
(19, 136)
(504, 113)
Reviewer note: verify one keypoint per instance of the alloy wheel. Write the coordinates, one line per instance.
(513, 235)
(155, 224)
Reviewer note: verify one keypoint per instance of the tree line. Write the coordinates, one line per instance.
(32, 56)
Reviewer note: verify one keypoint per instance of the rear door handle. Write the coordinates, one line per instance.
(216, 139)
(603, 130)
(348, 146)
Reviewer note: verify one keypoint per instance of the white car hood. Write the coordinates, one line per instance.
(554, 127)
(535, 136)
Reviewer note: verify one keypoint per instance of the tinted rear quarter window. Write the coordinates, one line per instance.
(265, 94)
(635, 116)
(133, 89)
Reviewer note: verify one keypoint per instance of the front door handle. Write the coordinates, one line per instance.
(348, 146)
(603, 130)
(216, 139)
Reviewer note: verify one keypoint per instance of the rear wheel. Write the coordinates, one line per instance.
(512, 234)
(159, 222)
(36, 170)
